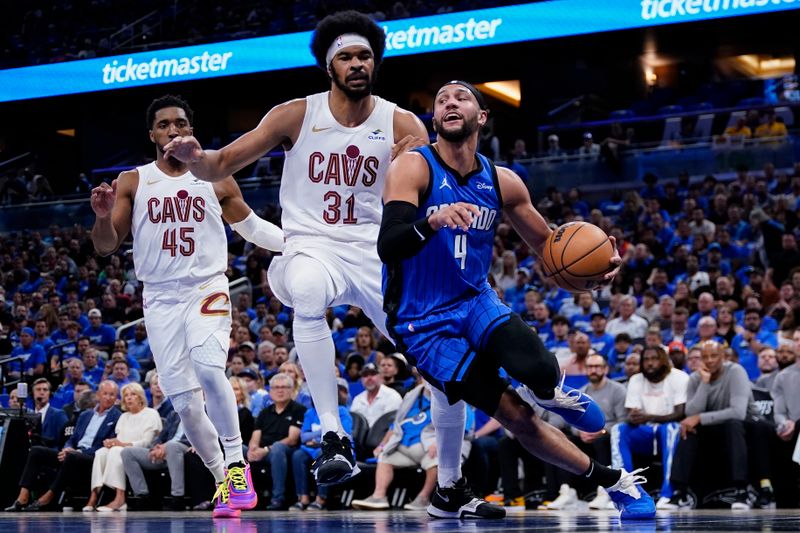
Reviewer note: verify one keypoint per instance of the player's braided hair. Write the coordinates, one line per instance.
(343, 22)
(168, 100)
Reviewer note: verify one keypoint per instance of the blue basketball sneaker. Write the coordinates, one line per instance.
(630, 498)
(577, 409)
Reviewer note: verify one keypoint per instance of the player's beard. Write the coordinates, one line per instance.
(468, 127)
(355, 94)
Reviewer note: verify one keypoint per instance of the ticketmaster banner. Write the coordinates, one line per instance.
(527, 22)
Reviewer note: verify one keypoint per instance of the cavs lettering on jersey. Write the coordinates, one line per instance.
(333, 176)
(453, 265)
(177, 228)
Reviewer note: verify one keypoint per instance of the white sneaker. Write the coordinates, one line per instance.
(663, 504)
(567, 499)
(601, 501)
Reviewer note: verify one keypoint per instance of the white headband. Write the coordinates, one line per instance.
(342, 41)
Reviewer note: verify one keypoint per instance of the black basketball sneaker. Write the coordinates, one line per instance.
(458, 501)
(337, 462)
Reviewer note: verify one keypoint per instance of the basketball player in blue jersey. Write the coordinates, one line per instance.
(442, 205)
(338, 148)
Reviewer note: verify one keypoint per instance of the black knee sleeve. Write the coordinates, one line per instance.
(522, 354)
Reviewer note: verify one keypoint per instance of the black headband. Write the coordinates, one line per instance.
(471, 88)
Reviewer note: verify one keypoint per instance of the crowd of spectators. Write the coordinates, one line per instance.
(39, 32)
(695, 340)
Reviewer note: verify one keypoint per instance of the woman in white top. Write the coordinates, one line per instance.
(139, 425)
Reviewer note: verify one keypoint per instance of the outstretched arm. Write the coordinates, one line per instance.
(528, 222)
(280, 126)
(402, 233)
(113, 206)
(243, 220)
(525, 219)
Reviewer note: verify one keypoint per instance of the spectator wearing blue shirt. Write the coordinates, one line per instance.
(310, 439)
(659, 283)
(93, 372)
(558, 343)
(554, 296)
(541, 321)
(661, 228)
(101, 335)
(754, 302)
(532, 297)
(120, 373)
(651, 189)
(33, 356)
(601, 342)
(623, 347)
(76, 315)
(714, 259)
(748, 343)
(139, 348)
(41, 336)
(60, 334)
(582, 318)
(514, 296)
(682, 238)
(73, 370)
(705, 307)
(730, 251)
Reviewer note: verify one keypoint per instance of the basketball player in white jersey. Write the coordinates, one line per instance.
(179, 253)
(338, 147)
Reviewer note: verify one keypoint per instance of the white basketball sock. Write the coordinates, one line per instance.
(317, 358)
(448, 420)
(220, 400)
(312, 291)
(199, 430)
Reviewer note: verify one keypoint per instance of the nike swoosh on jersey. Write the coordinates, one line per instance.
(152, 182)
(315, 129)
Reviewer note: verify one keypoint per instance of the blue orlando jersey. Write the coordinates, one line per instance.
(453, 265)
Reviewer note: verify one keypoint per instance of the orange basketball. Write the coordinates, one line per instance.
(577, 255)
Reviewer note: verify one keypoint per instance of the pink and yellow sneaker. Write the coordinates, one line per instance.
(240, 485)
(222, 507)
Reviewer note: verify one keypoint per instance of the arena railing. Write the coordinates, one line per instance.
(4, 381)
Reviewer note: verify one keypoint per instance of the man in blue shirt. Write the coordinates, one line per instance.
(748, 343)
(601, 342)
(101, 335)
(41, 338)
(32, 354)
(73, 464)
(60, 335)
(76, 315)
(139, 348)
(515, 296)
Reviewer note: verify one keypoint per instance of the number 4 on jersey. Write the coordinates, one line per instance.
(460, 249)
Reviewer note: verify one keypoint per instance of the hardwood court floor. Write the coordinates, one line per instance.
(396, 521)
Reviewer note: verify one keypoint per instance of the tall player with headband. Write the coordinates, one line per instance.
(338, 148)
(179, 255)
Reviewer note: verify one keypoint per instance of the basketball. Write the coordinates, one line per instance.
(577, 255)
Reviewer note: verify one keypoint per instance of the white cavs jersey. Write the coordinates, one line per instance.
(333, 176)
(177, 228)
